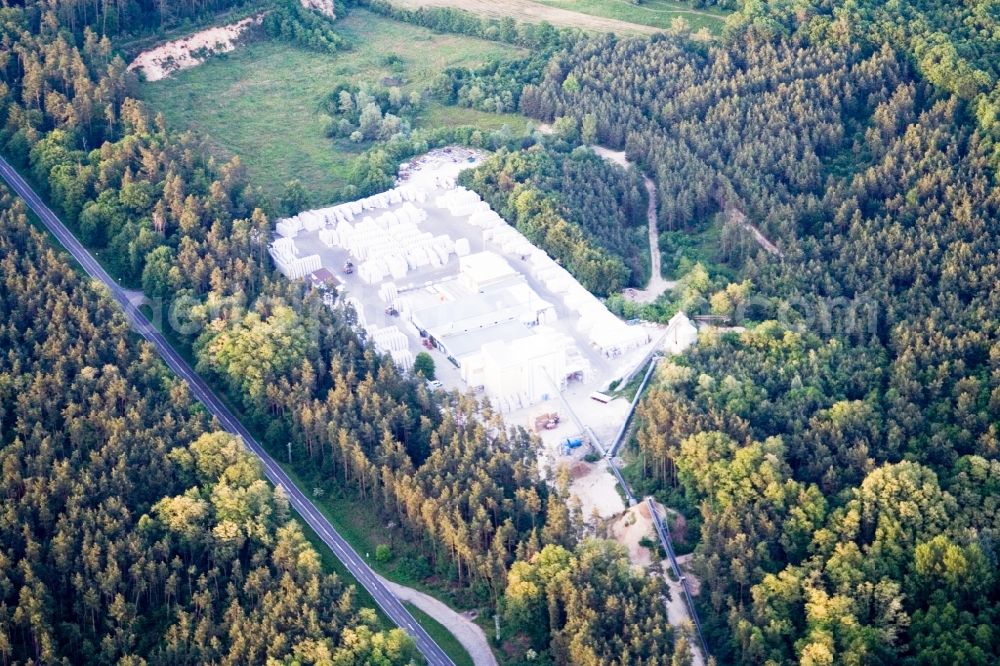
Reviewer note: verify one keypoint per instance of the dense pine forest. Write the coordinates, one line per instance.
(588, 214)
(133, 531)
(445, 476)
(841, 456)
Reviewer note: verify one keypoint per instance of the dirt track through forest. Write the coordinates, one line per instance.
(657, 285)
(532, 12)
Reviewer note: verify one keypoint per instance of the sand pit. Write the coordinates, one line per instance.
(325, 7)
(596, 490)
(192, 50)
(630, 528)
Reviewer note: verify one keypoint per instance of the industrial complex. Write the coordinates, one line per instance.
(428, 265)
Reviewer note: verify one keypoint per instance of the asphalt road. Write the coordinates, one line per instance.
(341, 549)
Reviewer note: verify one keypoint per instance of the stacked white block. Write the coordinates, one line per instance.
(289, 226)
(486, 219)
(389, 293)
(459, 202)
(373, 271)
(311, 220)
(389, 339)
(403, 358)
(329, 237)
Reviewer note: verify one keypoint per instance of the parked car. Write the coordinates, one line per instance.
(434, 384)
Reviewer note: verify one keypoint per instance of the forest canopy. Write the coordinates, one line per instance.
(135, 531)
(839, 457)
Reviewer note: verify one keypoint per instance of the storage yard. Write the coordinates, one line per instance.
(428, 266)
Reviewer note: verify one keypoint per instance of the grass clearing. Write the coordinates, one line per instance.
(262, 101)
(530, 11)
(441, 636)
(438, 115)
(653, 13)
(681, 248)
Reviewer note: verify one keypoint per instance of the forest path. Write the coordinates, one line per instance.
(468, 633)
(740, 218)
(656, 285)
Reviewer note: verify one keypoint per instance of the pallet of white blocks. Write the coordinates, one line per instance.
(388, 292)
(397, 265)
(403, 358)
(285, 247)
(329, 237)
(288, 227)
(311, 221)
(373, 271)
(298, 268)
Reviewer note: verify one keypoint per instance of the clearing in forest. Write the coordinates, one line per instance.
(263, 100)
(619, 16)
(190, 51)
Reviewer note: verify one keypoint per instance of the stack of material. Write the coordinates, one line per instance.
(311, 220)
(373, 271)
(286, 258)
(388, 339)
(462, 247)
(445, 243)
(558, 280)
(388, 293)
(403, 358)
(610, 335)
(581, 301)
(345, 234)
(412, 193)
(396, 265)
(285, 248)
(343, 213)
(411, 213)
(417, 257)
(329, 237)
(460, 202)
(387, 219)
(375, 201)
(486, 219)
(288, 227)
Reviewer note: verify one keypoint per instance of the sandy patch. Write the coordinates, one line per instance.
(597, 491)
(190, 51)
(324, 7)
(630, 528)
(694, 583)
